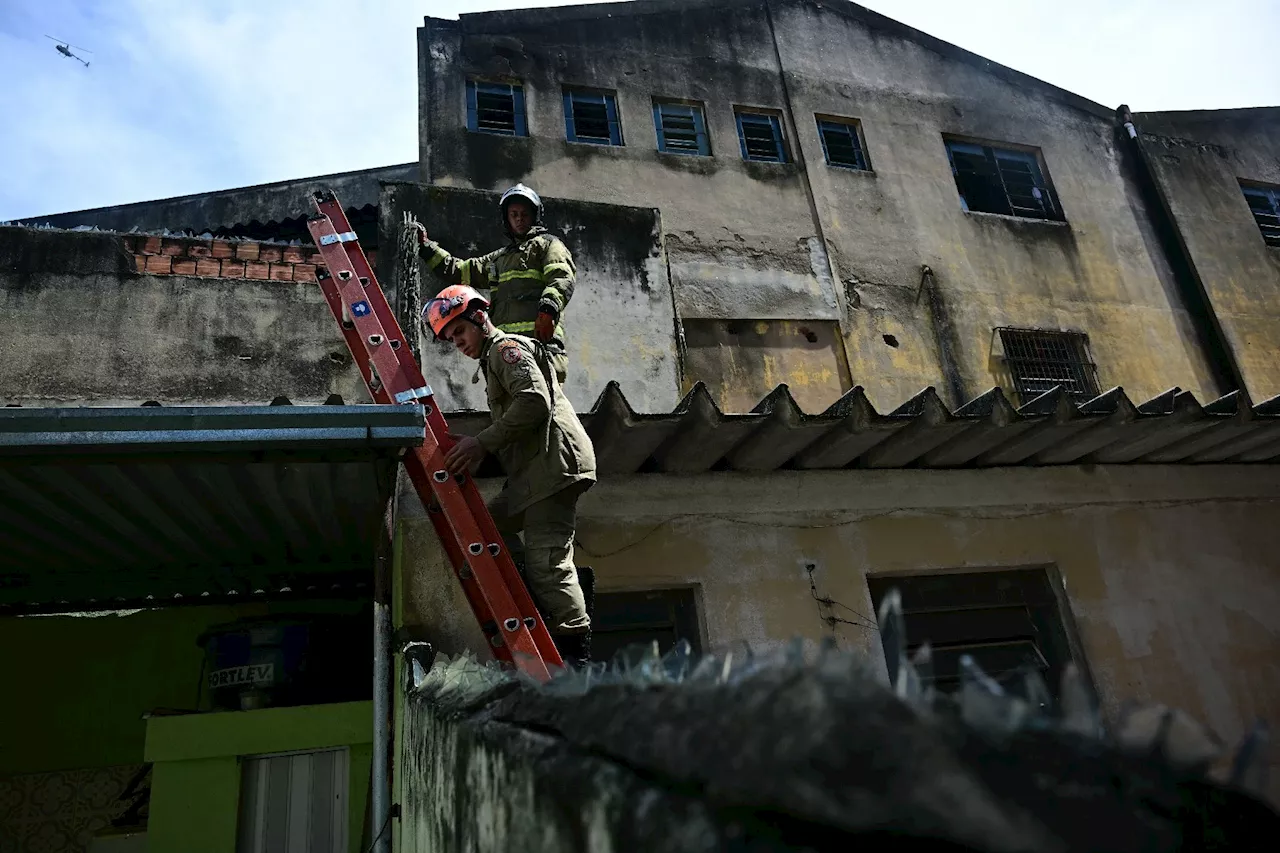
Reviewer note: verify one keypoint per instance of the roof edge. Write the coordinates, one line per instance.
(488, 22)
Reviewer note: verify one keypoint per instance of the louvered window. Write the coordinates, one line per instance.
(1002, 180)
(496, 108)
(760, 137)
(682, 129)
(841, 144)
(1264, 203)
(1007, 621)
(1039, 361)
(592, 117)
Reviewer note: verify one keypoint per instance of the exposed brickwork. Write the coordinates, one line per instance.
(192, 256)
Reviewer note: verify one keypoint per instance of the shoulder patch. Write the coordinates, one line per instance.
(510, 352)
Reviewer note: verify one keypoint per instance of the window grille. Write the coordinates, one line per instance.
(496, 108)
(841, 144)
(1039, 360)
(682, 129)
(1001, 180)
(760, 137)
(1264, 203)
(591, 117)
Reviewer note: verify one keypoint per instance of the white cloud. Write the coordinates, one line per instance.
(197, 96)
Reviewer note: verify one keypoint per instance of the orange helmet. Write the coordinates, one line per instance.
(456, 300)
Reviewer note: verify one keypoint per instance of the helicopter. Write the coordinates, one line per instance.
(64, 48)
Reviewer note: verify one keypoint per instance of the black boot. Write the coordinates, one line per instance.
(575, 649)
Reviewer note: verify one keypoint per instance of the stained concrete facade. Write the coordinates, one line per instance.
(1169, 581)
(838, 254)
(1199, 160)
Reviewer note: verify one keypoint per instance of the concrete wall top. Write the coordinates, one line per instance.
(263, 203)
(620, 323)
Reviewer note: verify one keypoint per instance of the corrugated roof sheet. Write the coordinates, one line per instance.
(118, 507)
(923, 432)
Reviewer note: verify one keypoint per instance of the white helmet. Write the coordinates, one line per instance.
(521, 191)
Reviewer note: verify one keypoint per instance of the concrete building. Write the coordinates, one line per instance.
(856, 309)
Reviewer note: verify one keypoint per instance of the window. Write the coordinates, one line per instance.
(1005, 620)
(760, 137)
(1038, 361)
(496, 108)
(681, 129)
(1001, 180)
(621, 619)
(591, 117)
(842, 144)
(1264, 202)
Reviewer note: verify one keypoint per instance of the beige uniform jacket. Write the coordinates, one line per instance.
(535, 432)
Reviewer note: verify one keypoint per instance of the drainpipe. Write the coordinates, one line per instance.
(1195, 296)
(381, 793)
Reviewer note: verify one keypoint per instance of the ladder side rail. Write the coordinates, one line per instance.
(492, 581)
(329, 206)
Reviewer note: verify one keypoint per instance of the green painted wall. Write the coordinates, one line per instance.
(84, 683)
(195, 786)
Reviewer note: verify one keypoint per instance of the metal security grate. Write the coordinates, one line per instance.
(841, 144)
(682, 129)
(1264, 204)
(496, 108)
(1002, 180)
(1039, 361)
(760, 137)
(591, 117)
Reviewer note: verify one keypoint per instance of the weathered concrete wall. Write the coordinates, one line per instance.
(79, 326)
(620, 323)
(1094, 273)
(1199, 159)
(262, 203)
(1170, 572)
(773, 756)
(742, 237)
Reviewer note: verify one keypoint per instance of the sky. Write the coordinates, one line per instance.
(187, 97)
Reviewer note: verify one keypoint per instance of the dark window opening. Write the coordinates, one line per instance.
(592, 117)
(1039, 361)
(1002, 180)
(1005, 620)
(841, 144)
(682, 129)
(622, 619)
(760, 137)
(1264, 204)
(496, 108)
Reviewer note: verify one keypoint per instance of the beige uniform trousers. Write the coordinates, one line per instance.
(548, 527)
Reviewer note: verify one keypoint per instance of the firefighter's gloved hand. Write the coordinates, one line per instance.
(545, 326)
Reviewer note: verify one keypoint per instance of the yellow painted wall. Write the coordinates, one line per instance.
(1171, 575)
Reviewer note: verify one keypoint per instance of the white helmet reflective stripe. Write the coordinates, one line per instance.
(521, 191)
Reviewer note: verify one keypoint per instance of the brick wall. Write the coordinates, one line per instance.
(193, 256)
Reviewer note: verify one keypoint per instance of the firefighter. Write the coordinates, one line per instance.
(549, 459)
(530, 280)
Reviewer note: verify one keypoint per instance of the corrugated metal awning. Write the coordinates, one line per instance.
(116, 507)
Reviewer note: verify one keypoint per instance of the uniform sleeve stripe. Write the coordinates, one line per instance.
(513, 274)
(517, 328)
(557, 266)
(436, 259)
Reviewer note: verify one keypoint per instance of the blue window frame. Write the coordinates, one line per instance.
(591, 117)
(681, 129)
(496, 108)
(841, 144)
(760, 137)
(1001, 180)
(1264, 204)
